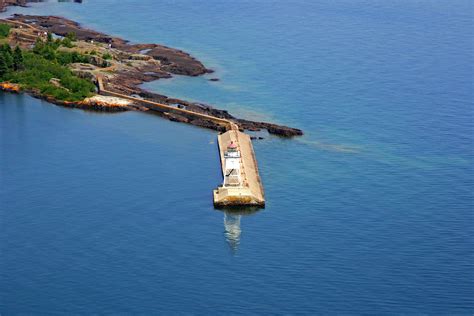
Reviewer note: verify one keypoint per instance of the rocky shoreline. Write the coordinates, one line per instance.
(90, 104)
(5, 3)
(134, 64)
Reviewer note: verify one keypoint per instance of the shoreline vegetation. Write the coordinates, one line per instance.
(56, 59)
(45, 69)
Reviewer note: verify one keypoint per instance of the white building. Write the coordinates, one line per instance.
(232, 176)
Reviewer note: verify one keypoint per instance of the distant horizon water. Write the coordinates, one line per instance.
(371, 211)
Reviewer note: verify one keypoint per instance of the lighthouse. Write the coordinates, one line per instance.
(242, 185)
(232, 166)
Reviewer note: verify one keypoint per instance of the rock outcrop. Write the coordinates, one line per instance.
(134, 64)
(10, 87)
(5, 3)
(173, 60)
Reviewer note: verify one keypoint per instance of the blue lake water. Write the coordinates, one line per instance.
(370, 212)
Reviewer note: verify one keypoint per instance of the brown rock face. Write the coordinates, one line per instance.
(172, 60)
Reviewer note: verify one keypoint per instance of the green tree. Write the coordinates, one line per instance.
(3, 66)
(47, 50)
(6, 48)
(67, 42)
(50, 38)
(8, 59)
(6, 51)
(71, 36)
(4, 30)
(49, 53)
(39, 46)
(17, 59)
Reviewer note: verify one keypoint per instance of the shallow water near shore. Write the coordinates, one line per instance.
(369, 212)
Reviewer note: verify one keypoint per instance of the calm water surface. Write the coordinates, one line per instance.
(370, 212)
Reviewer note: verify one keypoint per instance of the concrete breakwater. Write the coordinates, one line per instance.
(241, 185)
(247, 190)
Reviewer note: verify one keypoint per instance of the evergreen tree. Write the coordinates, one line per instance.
(39, 46)
(8, 60)
(67, 42)
(3, 66)
(71, 36)
(6, 51)
(49, 53)
(6, 48)
(4, 29)
(17, 59)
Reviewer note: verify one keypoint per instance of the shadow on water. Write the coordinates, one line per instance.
(232, 228)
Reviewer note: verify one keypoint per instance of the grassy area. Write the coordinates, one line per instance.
(35, 69)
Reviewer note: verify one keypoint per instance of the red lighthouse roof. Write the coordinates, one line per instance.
(232, 145)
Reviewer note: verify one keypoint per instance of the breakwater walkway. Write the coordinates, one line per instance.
(242, 185)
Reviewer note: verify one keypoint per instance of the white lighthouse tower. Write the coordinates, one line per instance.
(232, 176)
